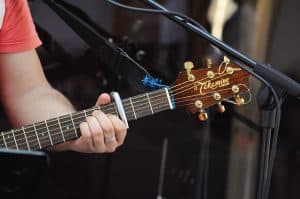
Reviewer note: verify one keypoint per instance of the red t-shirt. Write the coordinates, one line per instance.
(17, 33)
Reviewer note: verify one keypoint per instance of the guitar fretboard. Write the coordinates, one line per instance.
(65, 128)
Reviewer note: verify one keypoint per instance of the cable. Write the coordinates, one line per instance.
(183, 17)
(186, 19)
(125, 54)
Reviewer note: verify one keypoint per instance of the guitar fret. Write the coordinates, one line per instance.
(85, 115)
(48, 133)
(139, 105)
(67, 127)
(55, 132)
(132, 108)
(77, 119)
(73, 125)
(28, 146)
(64, 128)
(32, 137)
(115, 109)
(9, 139)
(19, 139)
(4, 140)
(12, 132)
(37, 136)
(63, 137)
(129, 113)
(149, 103)
(43, 134)
(163, 102)
(2, 145)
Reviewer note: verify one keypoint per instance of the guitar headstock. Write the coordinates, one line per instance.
(198, 89)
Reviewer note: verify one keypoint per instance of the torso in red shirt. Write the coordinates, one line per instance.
(17, 32)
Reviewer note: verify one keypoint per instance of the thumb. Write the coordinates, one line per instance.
(103, 99)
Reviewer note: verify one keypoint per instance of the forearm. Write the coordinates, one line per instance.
(28, 98)
(38, 104)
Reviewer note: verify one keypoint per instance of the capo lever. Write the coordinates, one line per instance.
(120, 107)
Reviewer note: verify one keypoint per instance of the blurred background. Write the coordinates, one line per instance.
(218, 158)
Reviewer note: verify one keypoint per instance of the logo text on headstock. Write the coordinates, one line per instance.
(202, 87)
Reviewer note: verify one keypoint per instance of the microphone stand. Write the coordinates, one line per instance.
(107, 48)
(282, 84)
(273, 76)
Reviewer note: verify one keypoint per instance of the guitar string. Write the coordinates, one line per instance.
(129, 113)
(197, 95)
(96, 109)
(133, 98)
(138, 96)
(182, 91)
(54, 135)
(186, 82)
(64, 121)
(173, 87)
(174, 93)
(129, 104)
(68, 130)
(219, 73)
(108, 107)
(155, 107)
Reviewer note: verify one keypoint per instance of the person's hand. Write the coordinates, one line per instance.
(100, 133)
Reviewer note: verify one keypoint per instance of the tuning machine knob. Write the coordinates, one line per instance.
(239, 100)
(226, 60)
(202, 115)
(221, 107)
(208, 62)
(188, 67)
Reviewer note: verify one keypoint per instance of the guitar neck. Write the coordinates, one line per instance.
(65, 128)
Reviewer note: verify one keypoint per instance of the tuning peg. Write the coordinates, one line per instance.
(221, 107)
(239, 100)
(226, 60)
(188, 67)
(208, 62)
(235, 89)
(202, 116)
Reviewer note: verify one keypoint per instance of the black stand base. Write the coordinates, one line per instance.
(20, 172)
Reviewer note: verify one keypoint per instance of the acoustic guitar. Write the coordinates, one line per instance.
(195, 89)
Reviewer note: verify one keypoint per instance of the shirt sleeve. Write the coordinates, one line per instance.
(18, 31)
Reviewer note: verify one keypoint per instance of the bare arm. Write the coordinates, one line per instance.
(25, 92)
(28, 98)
